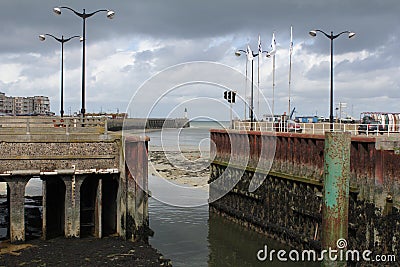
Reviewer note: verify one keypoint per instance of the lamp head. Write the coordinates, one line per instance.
(57, 10)
(42, 37)
(313, 33)
(237, 53)
(110, 14)
(81, 39)
(352, 34)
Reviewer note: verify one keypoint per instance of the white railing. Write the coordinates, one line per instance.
(51, 125)
(319, 128)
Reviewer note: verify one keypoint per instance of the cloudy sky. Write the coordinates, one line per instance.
(146, 37)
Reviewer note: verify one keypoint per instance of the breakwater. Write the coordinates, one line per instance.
(146, 123)
(287, 205)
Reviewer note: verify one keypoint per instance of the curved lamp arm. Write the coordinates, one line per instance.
(84, 15)
(239, 52)
(313, 33)
(42, 37)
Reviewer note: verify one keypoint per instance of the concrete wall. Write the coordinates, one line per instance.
(50, 155)
(78, 166)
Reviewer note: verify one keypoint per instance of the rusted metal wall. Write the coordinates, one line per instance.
(293, 168)
(374, 171)
(135, 216)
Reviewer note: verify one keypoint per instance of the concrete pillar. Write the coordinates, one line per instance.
(44, 209)
(121, 198)
(17, 200)
(335, 203)
(8, 210)
(98, 210)
(72, 204)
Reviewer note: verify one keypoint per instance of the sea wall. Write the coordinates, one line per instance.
(146, 123)
(287, 205)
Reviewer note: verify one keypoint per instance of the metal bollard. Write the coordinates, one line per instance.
(335, 202)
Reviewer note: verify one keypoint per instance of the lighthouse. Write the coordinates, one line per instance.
(185, 114)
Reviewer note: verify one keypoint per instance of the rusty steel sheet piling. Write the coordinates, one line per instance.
(335, 205)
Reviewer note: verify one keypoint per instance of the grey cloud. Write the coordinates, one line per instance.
(186, 31)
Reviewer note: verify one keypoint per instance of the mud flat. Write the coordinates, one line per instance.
(188, 167)
(109, 251)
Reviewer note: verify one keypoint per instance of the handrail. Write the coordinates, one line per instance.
(51, 125)
(319, 128)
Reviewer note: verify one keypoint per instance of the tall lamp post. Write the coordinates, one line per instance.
(332, 37)
(251, 55)
(84, 16)
(42, 37)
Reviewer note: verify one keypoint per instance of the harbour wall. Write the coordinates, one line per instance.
(287, 206)
(146, 123)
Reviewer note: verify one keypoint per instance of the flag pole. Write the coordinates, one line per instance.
(273, 86)
(245, 95)
(290, 65)
(273, 53)
(258, 87)
(258, 77)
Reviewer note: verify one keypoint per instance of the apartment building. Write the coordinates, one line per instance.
(33, 105)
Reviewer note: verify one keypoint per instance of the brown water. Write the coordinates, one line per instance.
(192, 236)
(185, 232)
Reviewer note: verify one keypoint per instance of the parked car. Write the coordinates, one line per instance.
(347, 120)
(369, 125)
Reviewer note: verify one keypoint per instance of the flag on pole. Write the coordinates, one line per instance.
(259, 46)
(249, 54)
(291, 40)
(273, 45)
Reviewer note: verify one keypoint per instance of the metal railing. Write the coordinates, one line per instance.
(319, 128)
(52, 125)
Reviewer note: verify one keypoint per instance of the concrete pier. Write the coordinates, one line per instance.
(88, 187)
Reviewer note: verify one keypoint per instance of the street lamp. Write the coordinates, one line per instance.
(84, 16)
(332, 37)
(42, 37)
(238, 53)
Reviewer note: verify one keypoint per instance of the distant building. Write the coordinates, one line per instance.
(6, 104)
(33, 105)
(41, 105)
(307, 119)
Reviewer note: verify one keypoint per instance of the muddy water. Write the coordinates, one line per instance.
(184, 229)
(191, 236)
